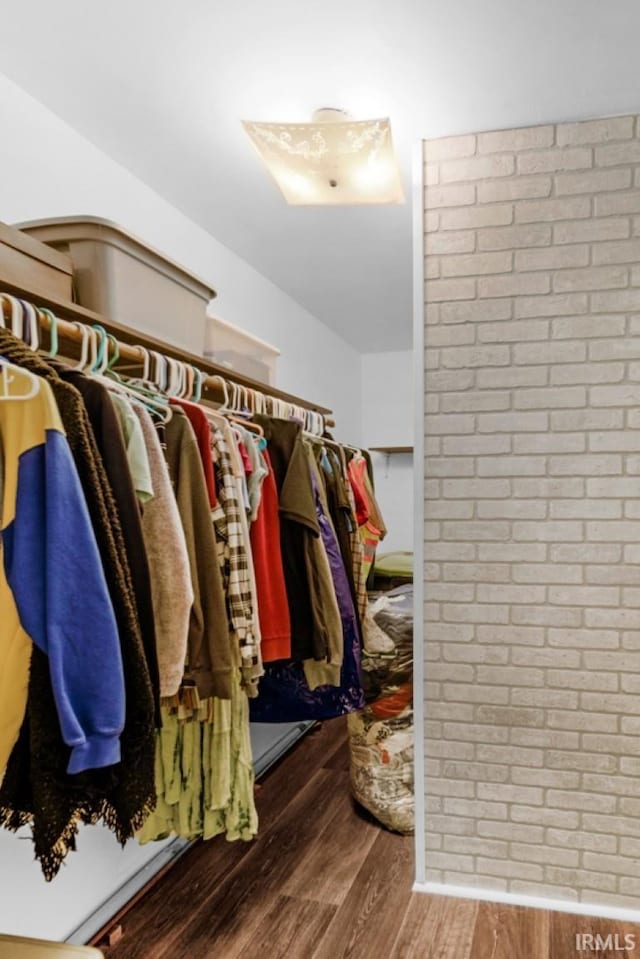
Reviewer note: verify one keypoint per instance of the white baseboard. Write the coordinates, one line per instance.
(603, 911)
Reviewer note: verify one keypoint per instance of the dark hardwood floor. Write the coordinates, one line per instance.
(324, 881)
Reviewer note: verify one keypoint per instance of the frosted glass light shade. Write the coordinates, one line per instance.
(330, 163)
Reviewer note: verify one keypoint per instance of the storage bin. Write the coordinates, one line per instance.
(240, 351)
(118, 275)
(31, 265)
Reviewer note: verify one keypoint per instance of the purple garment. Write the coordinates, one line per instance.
(283, 694)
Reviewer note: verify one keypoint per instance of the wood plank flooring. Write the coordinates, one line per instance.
(324, 881)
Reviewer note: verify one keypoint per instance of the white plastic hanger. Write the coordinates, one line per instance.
(53, 331)
(225, 392)
(9, 374)
(84, 347)
(16, 313)
(141, 390)
(159, 374)
(33, 324)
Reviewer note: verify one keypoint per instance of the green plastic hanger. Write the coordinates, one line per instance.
(98, 366)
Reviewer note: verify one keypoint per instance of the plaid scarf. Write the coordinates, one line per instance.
(234, 561)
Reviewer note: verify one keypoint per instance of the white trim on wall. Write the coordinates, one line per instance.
(418, 507)
(533, 902)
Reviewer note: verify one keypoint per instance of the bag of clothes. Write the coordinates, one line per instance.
(381, 734)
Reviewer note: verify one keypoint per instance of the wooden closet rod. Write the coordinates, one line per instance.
(129, 341)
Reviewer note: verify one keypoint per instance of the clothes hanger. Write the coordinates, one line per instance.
(314, 422)
(16, 314)
(5, 298)
(147, 389)
(8, 374)
(225, 392)
(84, 346)
(30, 325)
(169, 376)
(196, 386)
(100, 338)
(246, 424)
(260, 402)
(105, 371)
(102, 351)
(190, 376)
(200, 378)
(181, 379)
(341, 446)
(53, 331)
(159, 375)
(185, 378)
(241, 410)
(115, 357)
(229, 408)
(173, 377)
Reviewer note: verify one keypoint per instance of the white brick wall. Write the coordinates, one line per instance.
(532, 538)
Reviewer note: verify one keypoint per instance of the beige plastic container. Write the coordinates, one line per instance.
(116, 274)
(241, 352)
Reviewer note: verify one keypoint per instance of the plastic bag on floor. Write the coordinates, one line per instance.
(381, 734)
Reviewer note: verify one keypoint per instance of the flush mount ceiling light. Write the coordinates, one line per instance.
(333, 161)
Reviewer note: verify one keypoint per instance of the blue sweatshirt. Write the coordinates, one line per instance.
(54, 582)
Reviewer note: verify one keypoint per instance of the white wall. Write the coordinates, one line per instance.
(394, 491)
(90, 875)
(48, 169)
(387, 411)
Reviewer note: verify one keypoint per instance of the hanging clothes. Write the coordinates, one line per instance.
(209, 658)
(273, 609)
(298, 528)
(333, 470)
(256, 470)
(165, 543)
(204, 772)
(37, 789)
(204, 768)
(234, 557)
(327, 572)
(367, 510)
(284, 692)
(109, 438)
(234, 574)
(135, 446)
(200, 424)
(58, 593)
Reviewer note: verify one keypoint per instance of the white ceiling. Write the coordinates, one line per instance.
(161, 85)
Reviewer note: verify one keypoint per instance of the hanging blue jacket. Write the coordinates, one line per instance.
(52, 577)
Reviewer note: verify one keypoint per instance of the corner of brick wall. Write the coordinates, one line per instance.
(532, 533)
